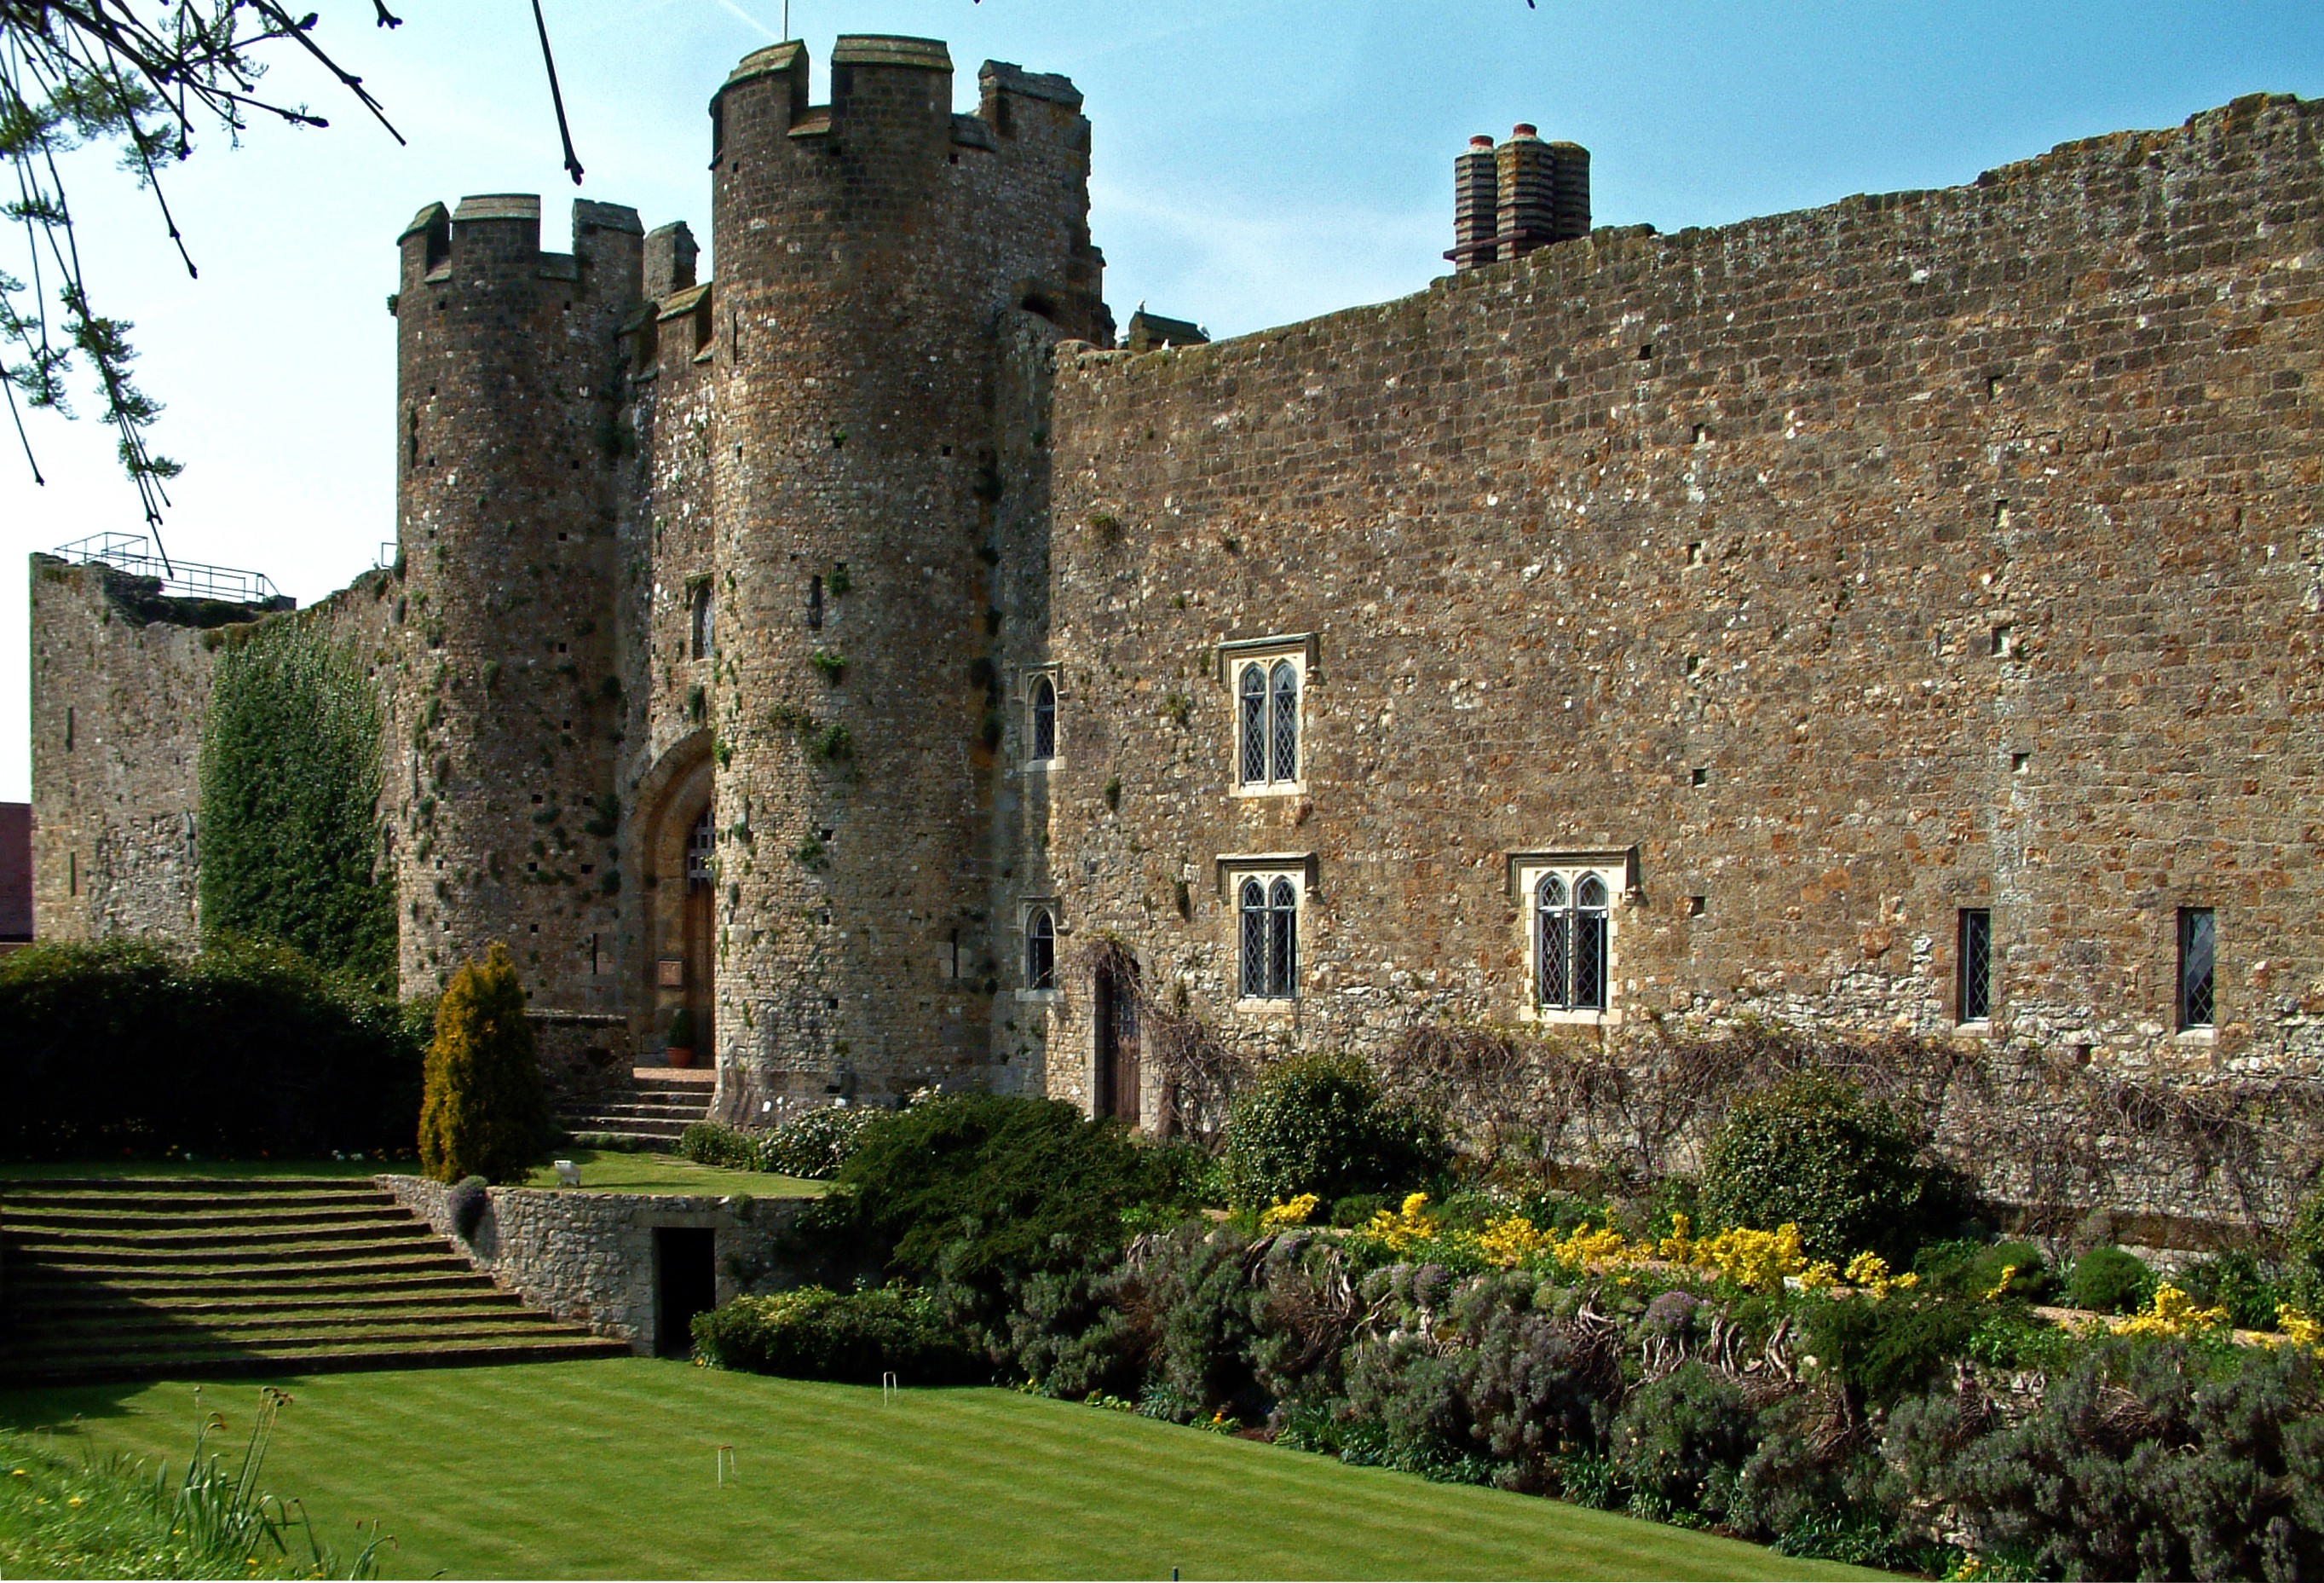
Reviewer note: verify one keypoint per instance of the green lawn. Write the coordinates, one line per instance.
(616, 1170)
(610, 1470)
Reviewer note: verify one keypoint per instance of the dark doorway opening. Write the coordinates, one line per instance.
(686, 1283)
(1117, 1042)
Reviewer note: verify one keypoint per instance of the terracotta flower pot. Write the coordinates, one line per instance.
(681, 1056)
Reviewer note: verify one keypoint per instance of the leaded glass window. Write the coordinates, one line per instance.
(1269, 928)
(1045, 718)
(1572, 943)
(2199, 945)
(1976, 957)
(1252, 704)
(1283, 725)
(702, 634)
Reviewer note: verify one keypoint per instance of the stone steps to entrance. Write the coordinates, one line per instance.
(136, 1278)
(660, 1105)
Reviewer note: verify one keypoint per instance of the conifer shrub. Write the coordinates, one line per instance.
(1814, 1150)
(484, 1111)
(125, 1047)
(1319, 1125)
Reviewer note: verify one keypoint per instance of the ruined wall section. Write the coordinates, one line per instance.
(867, 253)
(510, 465)
(118, 707)
(120, 690)
(1940, 550)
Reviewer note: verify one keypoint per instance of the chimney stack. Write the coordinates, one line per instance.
(1523, 195)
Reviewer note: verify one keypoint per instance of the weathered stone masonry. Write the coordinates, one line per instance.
(1942, 550)
(1813, 578)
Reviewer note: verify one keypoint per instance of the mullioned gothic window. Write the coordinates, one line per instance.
(1268, 909)
(1572, 933)
(1266, 697)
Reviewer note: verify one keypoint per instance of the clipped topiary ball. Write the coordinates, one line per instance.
(1814, 1152)
(2108, 1280)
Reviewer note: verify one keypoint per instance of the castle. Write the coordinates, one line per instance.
(1900, 615)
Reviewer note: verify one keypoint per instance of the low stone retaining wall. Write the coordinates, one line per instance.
(590, 1257)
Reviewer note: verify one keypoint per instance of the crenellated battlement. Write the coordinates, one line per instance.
(886, 86)
(496, 237)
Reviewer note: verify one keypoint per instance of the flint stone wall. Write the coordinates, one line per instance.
(588, 1257)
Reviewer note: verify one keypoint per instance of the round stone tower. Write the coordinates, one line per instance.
(871, 256)
(501, 770)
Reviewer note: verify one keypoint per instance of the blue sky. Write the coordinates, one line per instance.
(1255, 162)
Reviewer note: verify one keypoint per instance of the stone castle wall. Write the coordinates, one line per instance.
(1849, 568)
(1813, 579)
(121, 679)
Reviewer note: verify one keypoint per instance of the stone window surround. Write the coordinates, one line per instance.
(1027, 675)
(1233, 657)
(1026, 907)
(1232, 869)
(1618, 867)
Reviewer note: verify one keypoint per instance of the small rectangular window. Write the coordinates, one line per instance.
(69, 723)
(1975, 965)
(72, 874)
(2199, 942)
(814, 603)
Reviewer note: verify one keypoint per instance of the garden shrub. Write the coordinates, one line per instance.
(816, 1143)
(125, 1048)
(1319, 1125)
(711, 1142)
(2142, 1459)
(2304, 1251)
(977, 1190)
(1684, 1438)
(815, 1333)
(1879, 1349)
(290, 778)
(484, 1111)
(1975, 1269)
(466, 1204)
(1814, 1152)
(2238, 1282)
(2109, 1280)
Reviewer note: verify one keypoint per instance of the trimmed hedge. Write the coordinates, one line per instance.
(1814, 1151)
(122, 1048)
(815, 1333)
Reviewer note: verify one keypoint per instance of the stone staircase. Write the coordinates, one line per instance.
(661, 1103)
(133, 1278)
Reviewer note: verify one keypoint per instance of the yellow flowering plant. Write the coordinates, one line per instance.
(1404, 1227)
(2300, 1327)
(1281, 1216)
(2171, 1312)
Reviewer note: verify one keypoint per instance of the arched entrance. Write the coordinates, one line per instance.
(676, 821)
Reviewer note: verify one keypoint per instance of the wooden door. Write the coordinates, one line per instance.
(701, 936)
(1117, 1043)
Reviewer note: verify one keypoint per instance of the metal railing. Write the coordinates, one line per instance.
(139, 556)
